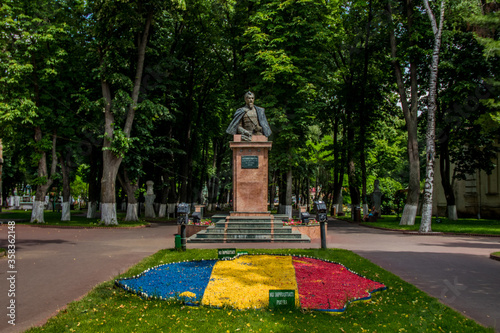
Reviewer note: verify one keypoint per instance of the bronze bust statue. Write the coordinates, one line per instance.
(249, 120)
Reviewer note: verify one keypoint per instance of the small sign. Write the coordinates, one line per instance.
(249, 162)
(281, 299)
(242, 252)
(227, 253)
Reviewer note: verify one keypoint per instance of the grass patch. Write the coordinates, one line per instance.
(461, 226)
(54, 219)
(3, 252)
(401, 308)
(494, 253)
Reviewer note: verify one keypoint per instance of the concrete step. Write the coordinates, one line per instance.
(250, 224)
(205, 234)
(257, 231)
(194, 239)
(248, 229)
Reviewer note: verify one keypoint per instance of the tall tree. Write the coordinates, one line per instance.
(36, 39)
(437, 29)
(120, 31)
(409, 106)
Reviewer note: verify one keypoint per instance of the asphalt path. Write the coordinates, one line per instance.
(56, 266)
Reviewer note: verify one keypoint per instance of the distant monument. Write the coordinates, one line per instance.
(377, 196)
(149, 200)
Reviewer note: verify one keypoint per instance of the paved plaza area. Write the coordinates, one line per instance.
(55, 266)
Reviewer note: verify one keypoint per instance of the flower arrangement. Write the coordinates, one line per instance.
(292, 222)
(244, 282)
(203, 222)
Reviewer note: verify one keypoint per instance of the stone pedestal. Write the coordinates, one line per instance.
(199, 209)
(377, 197)
(250, 221)
(250, 176)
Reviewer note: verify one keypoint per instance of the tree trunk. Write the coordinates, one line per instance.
(445, 170)
(66, 202)
(94, 182)
(37, 214)
(351, 171)
(425, 225)
(1, 184)
(363, 112)
(410, 112)
(289, 193)
(111, 162)
(130, 188)
(162, 212)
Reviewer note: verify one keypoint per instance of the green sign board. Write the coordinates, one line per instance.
(249, 162)
(227, 253)
(281, 299)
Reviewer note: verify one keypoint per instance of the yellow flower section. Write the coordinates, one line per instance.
(245, 282)
(188, 294)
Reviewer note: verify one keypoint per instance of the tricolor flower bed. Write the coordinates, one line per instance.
(244, 282)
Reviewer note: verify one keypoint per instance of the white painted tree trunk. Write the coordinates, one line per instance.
(452, 213)
(171, 209)
(162, 212)
(108, 214)
(366, 210)
(132, 212)
(408, 216)
(336, 208)
(426, 223)
(288, 211)
(149, 210)
(37, 212)
(92, 210)
(66, 211)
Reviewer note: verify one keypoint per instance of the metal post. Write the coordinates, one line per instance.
(183, 233)
(323, 234)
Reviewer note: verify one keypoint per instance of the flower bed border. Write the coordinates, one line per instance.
(146, 296)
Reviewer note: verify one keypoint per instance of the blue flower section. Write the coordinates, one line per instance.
(185, 281)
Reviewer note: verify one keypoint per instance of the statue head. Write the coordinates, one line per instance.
(249, 99)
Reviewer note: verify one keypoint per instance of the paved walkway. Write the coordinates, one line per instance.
(57, 266)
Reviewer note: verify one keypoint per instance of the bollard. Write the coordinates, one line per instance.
(323, 234)
(177, 241)
(183, 236)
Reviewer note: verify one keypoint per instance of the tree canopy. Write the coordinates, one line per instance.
(92, 92)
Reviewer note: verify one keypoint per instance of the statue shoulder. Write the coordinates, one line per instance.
(240, 111)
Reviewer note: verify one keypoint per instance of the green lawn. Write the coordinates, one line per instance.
(461, 226)
(401, 308)
(54, 218)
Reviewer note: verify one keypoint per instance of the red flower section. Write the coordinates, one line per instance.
(328, 286)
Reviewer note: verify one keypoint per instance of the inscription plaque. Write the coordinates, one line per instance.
(281, 299)
(249, 162)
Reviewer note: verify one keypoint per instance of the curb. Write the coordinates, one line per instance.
(494, 257)
(410, 232)
(81, 227)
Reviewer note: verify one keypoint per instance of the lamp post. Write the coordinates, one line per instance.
(321, 217)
